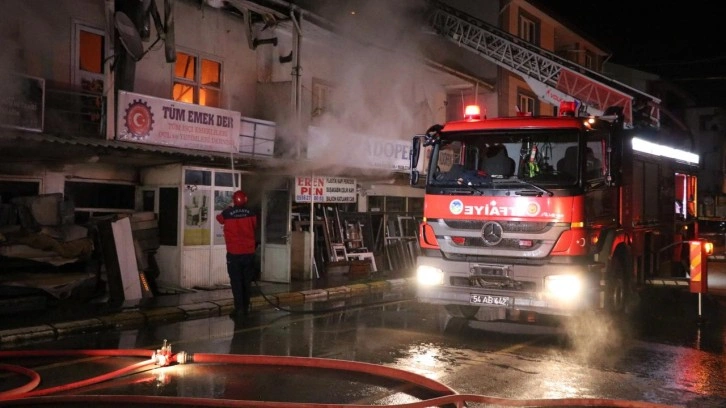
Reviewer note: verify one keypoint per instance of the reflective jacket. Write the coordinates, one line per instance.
(239, 224)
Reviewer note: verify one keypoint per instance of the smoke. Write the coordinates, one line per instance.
(382, 90)
(597, 337)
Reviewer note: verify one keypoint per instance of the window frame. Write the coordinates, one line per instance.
(589, 60)
(78, 74)
(196, 84)
(22, 180)
(528, 28)
(320, 102)
(531, 99)
(105, 210)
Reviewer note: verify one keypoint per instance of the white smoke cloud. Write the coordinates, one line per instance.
(382, 88)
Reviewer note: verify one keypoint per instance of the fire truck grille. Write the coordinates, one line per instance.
(507, 226)
(488, 282)
(504, 244)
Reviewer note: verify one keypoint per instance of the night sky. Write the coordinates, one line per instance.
(684, 42)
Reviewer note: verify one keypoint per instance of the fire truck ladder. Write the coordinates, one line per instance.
(552, 78)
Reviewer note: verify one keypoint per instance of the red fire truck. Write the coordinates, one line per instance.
(550, 215)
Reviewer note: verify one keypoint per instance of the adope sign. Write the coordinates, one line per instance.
(145, 119)
(325, 190)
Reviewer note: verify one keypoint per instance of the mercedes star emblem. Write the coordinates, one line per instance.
(491, 233)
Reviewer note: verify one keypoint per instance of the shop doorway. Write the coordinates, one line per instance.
(276, 236)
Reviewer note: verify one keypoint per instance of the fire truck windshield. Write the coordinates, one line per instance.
(540, 157)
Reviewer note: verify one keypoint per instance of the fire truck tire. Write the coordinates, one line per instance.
(467, 312)
(618, 293)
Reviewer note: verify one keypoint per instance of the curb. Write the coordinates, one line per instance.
(135, 318)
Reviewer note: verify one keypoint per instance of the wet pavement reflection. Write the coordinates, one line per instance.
(666, 355)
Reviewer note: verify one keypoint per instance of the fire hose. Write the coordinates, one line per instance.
(277, 306)
(29, 395)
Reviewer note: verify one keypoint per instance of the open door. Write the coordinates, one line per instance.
(276, 236)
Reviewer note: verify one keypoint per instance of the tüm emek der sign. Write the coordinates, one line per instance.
(146, 119)
(191, 116)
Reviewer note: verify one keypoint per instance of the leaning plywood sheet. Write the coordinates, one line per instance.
(127, 258)
(120, 260)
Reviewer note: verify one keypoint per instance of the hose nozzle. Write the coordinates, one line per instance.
(162, 356)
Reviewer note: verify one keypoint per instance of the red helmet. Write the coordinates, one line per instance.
(239, 198)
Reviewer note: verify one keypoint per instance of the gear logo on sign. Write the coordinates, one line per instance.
(139, 120)
(456, 207)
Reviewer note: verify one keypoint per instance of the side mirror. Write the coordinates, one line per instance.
(415, 151)
(413, 177)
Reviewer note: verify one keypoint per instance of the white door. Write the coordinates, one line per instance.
(276, 236)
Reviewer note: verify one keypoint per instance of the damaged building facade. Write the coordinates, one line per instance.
(125, 130)
(156, 116)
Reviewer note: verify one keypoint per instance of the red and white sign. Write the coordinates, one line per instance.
(558, 209)
(145, 119)
(325, 189)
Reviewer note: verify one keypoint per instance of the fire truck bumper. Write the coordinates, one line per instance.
(546, 289)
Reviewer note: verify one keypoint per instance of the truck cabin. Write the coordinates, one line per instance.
(554, 153)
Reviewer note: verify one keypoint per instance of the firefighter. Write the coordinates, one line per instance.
(239, 224)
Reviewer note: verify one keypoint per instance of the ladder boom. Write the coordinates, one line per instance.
(549, 75)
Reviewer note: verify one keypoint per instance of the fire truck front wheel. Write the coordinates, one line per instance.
(617, 288)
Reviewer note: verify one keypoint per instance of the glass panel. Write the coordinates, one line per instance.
(211, 73)
(100, 195)
(221, 200)
(595, 158)
(277, 217)
(223, 179)
(168, 215)
(196, 217)
(147, 200)
(185, 66)
(91, 52)
(183, 93)
(375, 203)
(547, 157)
(395, 204)
(10, 189)
(209, 97)
(198, 177)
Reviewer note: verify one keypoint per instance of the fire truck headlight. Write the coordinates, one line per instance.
(563, 287)
(428, 275)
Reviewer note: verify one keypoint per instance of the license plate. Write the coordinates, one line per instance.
(490, 300)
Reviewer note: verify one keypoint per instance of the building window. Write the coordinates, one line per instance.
(11, 188)
(589, 60)
(100, 198)
(197, 80)
(108, 197)
(526, 103)
(88, 57)
(322, 92)
(528, 29)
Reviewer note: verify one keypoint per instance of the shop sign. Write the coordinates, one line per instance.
(145, 119)
(358, 150)
(325, 189)
(21, 102)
